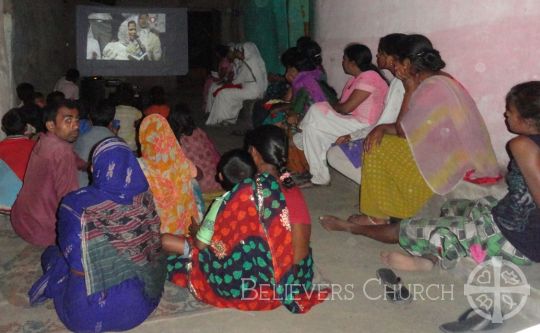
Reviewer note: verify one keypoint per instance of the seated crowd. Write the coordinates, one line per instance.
(118, 204)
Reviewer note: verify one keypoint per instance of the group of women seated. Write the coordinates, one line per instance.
(108, 269)
(437, 140)
(141, 222)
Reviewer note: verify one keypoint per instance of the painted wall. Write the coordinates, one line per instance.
(43, 44)
(487, 45)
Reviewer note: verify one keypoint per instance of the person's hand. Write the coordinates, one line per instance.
(399, 129)
(193, 228)
(281, 125)
(292, 119)
(288, 95)
(343, 139)
(374, 138)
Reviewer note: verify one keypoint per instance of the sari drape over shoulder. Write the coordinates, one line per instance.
(447, 135)
(249, 264)
(108, 271)
(169, 173)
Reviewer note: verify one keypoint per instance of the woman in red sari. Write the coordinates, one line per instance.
(259, 257)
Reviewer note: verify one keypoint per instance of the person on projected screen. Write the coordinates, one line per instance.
(116, 50)
(100, 31)
(127, 47)
(135, 49)
(93, 52)
(149, 38)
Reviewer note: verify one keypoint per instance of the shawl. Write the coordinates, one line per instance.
(249, 263)
(169, 173)
(447, 134)
(252, 68)
(120, 236)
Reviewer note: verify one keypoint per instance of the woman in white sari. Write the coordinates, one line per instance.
(250, 82)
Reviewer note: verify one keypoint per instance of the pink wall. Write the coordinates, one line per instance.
(487, 45)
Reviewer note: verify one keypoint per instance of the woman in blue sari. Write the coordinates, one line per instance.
(107, 272)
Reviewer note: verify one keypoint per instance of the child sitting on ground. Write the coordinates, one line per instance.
(234, 167)
(15, 152)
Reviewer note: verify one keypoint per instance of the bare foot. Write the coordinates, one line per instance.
(362, 219)
(404, 262)
(355, 218)
(330, 223)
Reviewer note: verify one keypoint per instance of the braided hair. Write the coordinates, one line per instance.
(272, 144)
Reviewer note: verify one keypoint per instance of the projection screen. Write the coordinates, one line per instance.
(125, 41)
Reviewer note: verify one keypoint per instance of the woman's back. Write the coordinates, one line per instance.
(201, 150)
(107, 272)
(169, 174)
(447, 134)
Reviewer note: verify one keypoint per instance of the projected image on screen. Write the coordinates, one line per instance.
(132, 41)
(129, 37)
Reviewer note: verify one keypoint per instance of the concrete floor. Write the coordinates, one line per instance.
(349, 262)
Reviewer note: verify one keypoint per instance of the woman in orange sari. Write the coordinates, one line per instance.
(170, 175)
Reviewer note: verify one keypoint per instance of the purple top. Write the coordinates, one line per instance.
(308, 80)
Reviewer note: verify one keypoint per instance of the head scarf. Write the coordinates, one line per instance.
(169, 173)
(116, 173)
(255, 63)
(122, 35)
(120, 227)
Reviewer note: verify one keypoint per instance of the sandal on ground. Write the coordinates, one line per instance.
(395, 291)
(469, 321)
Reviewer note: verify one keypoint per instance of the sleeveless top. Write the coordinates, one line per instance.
(517, 214)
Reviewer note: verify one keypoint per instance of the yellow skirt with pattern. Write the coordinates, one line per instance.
(392, 185)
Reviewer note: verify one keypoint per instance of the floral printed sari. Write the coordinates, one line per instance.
(250, 262)
(169, 173)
